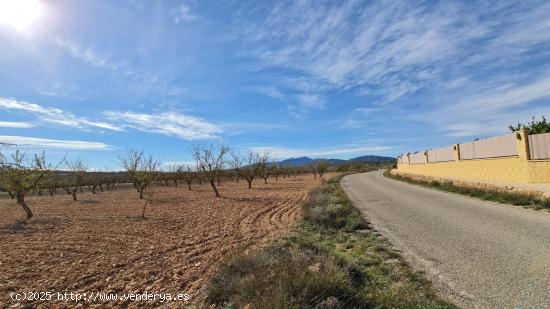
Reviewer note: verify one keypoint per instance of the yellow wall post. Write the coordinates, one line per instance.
(456, 147)
(523, 144)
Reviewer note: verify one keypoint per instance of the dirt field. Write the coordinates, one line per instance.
(99, 244)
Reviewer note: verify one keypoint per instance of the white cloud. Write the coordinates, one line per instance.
(183, 14)
(16, 125)
(396, 48)
(168, 123)
(269, 91)
(55, 115)
(311, 100)
(53, 143)
(491, 111)
(88, 55)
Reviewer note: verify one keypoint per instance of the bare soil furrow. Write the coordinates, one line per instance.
(100, 244)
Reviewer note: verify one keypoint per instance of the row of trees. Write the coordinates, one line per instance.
(21, 174)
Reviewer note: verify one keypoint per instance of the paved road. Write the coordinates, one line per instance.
(479, 254)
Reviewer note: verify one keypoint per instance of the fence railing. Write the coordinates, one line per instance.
(442, 154)
(495, 147)
(539, 146)
(417, 158)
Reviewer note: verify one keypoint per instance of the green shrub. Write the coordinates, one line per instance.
(329, 207)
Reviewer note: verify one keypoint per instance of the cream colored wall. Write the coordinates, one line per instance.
(512, 169)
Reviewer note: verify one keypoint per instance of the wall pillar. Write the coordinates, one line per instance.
(456, 147)
(523, 144)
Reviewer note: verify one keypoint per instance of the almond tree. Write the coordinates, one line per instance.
(77, 173)
(250, 168)
(188, 175)
(320, 167)
(20, 177)
(237, 163)
(264, 164)
(275, 167)
(210, 161)
(141, 170)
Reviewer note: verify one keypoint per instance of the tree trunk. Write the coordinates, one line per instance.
(21, 201)
(93, 189)
(144, 206)
(249, 184)
(219, 181)
(74, 194)
(12, 195)
(141, 193)
(176, 183)
(214, 187)
(189, 186)
(265, 180)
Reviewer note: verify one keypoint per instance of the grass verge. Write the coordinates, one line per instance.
(506, 197)
(333, 260)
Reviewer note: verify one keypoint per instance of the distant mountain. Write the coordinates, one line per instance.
(373, 159)
(301, 161)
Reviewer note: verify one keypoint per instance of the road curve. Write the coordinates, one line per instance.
(479, 254)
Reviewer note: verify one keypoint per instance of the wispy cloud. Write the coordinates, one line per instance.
(55, 115)
(168, 123)
(269, 91)
(489, 112)
(393, 50)
(89, 56)
(15, 125)
(183, 13)
(53, 143)
(311, 100)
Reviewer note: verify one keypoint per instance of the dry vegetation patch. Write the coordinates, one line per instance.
(100, 244)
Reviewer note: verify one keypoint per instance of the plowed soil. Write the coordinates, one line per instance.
(100, 244)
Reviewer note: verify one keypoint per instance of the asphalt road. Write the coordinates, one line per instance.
(479, 254)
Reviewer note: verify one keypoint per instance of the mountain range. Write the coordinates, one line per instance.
(301, 161)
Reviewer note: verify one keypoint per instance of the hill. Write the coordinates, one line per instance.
(301, 161)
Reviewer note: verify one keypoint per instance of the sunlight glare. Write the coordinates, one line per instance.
(20, 14)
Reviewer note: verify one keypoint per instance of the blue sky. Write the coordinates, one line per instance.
(334, 79)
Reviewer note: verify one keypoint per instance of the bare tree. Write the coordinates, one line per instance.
(250, 168)
(264, 164)
(276, 168)
(142, 170)
(77, 173)
(210, 160)
(188, 175)
(20, 177)
(320, 167)
(237, 162)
